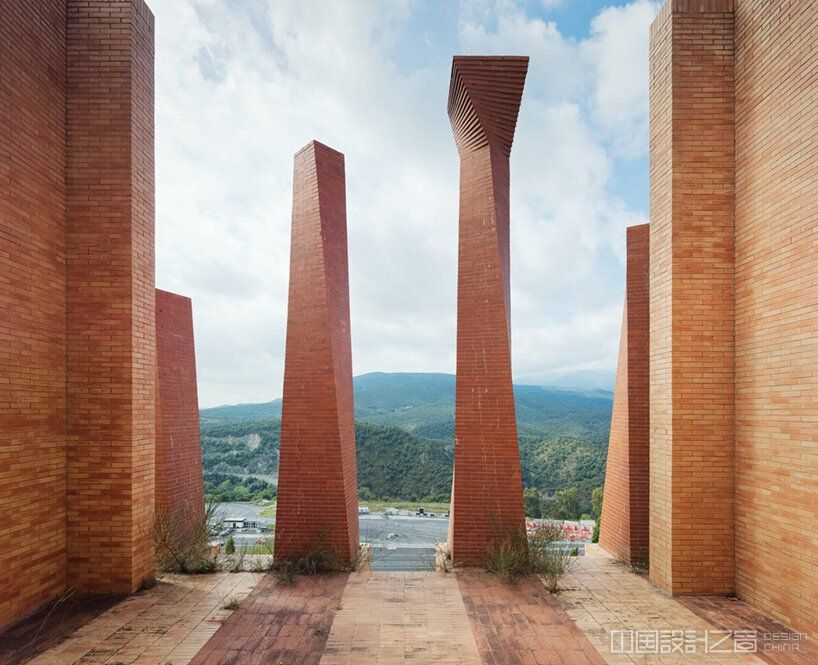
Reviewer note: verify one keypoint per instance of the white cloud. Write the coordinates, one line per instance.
(617, 55)
(242, 85)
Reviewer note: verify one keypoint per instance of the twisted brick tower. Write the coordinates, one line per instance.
(487, 491)
(317, 482)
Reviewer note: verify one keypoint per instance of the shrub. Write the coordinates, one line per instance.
(508, 557)
(548, 557)
(229, 545)
(315, 560)
(182, 540)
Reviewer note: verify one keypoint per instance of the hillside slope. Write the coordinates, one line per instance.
(424, 405)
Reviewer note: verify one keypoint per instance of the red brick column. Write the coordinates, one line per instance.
(111, 352)
(624, 528)
(32, 305)
(487, 493)
(179, 483)
(317, 480)
(691, 297)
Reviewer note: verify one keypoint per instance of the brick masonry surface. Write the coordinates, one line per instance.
(32, 306)
(179, 484)
(776, 245)
(77, 366)
(111, 352)
(624, 526)
(317, 482)
(487, 500)
(691, 291)
(734, 289)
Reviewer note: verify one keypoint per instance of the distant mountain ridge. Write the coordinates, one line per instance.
(405, 437)
(423, 403)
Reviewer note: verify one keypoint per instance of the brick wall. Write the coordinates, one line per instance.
(487, 500)
(179, 483)
(317, 481)
(624, 527)
(77, 366)
(111, 364)
(660, 366)
(32, 305)
(776, 247)
(695, 311)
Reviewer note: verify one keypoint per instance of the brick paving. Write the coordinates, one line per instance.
(522, 623)
(166, 624)
(468, 617)
(405, 617)
(602, 595)
(278, 623)
(51, 625)
(776, 643)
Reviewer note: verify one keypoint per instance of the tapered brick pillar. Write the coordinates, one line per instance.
(692, 297)
(487, 493)
(110, 351)
(624, 528)
(317, 481)
(179, 482)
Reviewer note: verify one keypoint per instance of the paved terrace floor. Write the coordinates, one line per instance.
(412, 617)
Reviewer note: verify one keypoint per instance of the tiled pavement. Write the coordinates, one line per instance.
(168, 623)
(614, 606)
(406, 617)
(401, 618)
(522, 623)
(776, 643)
(278, 623)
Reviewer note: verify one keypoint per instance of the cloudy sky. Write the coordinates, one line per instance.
(243, 84)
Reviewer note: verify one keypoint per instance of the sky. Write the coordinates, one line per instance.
(241, 85)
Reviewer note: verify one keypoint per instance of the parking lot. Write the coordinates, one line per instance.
(397, 542)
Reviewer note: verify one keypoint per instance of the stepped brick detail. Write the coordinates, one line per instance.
(691, 297)
(77, 370)
(179, 483)
(624, 527)
(487, 492)
(317, 481)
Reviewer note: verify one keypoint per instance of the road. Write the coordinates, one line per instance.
(397, 542)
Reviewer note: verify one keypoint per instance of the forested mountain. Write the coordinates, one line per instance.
(405, 437)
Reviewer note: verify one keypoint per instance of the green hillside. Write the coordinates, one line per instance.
(405, 437)
(424, 405)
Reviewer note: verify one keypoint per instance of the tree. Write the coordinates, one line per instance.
(568, 504)
(596, 500)
(533, 505)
